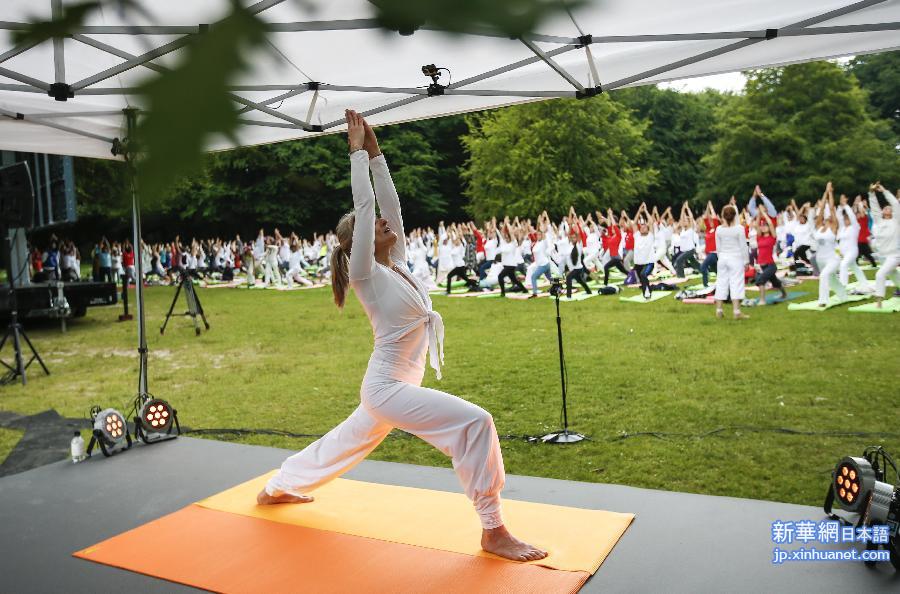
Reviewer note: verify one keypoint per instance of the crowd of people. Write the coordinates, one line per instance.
(750, 244)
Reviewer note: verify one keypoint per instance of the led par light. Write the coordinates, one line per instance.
(858, 485)
(155, 421)
(110, 432)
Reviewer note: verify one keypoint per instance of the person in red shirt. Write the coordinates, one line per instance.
(611, 239)
(765, 241)
(710, 222)
(128, 261)
(862, 216)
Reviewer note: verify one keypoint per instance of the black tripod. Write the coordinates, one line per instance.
(193, 303)
(564, 436)
(14, 331)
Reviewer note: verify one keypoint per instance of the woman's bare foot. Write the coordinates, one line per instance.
(503, 544)
(265, 499)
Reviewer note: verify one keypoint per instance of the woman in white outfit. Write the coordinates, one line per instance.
(405, 327)
(734, 255)
(827, 260)
(885, 239)
(848, 246)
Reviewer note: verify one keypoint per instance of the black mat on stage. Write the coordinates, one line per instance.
(678, 542)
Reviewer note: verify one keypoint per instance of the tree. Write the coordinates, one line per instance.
(301, 186)
(553, 154)
(879, 74)
(794, 129)
(681, 130)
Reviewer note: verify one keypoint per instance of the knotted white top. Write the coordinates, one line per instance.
(398, 306)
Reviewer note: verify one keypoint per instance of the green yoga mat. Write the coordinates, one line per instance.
(656, 296)
(489, 296)
(891, 305)
(771, 298)
(833, 302)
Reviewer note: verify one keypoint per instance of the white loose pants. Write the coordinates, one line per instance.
(887, 269)
(828, 279)
(458, 428)
(730, 278)
(848, 265)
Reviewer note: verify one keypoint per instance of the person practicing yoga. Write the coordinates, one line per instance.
(734, 255)
(370, 260)
(885, 239)
(765, 241)
(827, 260)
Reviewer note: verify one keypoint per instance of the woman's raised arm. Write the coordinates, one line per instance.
(362, 255)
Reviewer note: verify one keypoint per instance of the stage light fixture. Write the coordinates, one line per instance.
(860, 487)
(155, 421)
(110, 431)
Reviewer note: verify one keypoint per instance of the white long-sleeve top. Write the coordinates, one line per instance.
(403, 322)
(508, 251)
(885, 232)
(458, 253)
(540, 250)
(731, 242)
(826, 241)
(803, 233)
(644, 248)
(847, 234)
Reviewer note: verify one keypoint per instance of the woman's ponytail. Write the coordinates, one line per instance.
(340, 258)
(340, 275)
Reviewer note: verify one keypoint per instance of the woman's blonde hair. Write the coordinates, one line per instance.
(340, 258)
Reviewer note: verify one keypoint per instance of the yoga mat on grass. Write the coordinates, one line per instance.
(706, 300)
(577, 539)
(577, 297)
(227, 552)
(656, 296)
(833, 302)
(891, 305)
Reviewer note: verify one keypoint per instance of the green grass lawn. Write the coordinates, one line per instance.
(291, 361)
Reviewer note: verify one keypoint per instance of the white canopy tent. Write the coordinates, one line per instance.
(321, 61)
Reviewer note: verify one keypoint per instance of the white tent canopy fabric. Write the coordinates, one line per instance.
(319, 62)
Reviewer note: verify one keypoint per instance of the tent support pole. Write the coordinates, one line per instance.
(130, 155)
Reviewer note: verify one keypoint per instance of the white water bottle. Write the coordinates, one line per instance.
(77, 448)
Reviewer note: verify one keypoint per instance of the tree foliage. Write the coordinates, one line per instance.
(553, 154)
(879, 74)
(794, 129)
(681, 130)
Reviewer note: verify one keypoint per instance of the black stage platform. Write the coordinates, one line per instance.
(678, 542)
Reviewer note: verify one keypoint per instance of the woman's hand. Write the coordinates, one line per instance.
(371, 142)
(356, 131)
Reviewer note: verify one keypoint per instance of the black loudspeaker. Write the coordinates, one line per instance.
(16, 196)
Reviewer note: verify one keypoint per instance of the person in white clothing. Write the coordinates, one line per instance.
(734, 255)
(848, 246)
(644, 250)
(885, 239)
(827, 260)
(271, 273)
(405, 327)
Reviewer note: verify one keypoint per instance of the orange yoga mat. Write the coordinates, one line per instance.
(226, 552)
(577, 539)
